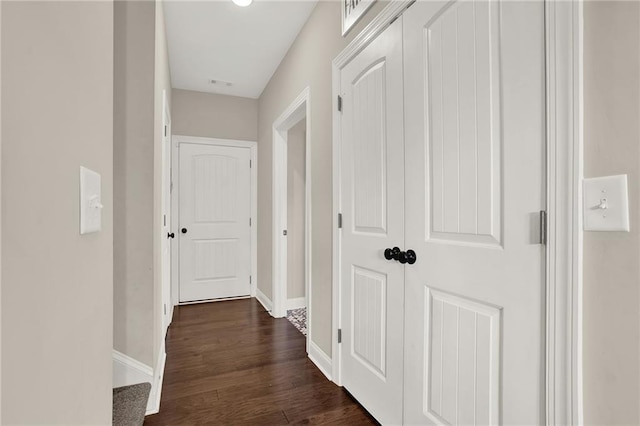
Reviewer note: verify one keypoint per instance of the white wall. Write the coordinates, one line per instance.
(306, 64)
(57, 286)
(211, 115)
(612, 259)
(296, 140)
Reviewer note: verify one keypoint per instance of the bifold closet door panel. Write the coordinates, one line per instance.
(474, 150)
(372, 191)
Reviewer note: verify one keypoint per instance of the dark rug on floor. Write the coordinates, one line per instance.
(298, 317)
(130, 404)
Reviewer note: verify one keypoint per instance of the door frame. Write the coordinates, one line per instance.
(175, 205)
(564, 113)
(166, 193)
(299, 109)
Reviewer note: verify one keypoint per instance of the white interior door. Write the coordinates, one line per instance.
(372, 201)
(215, 238)
(166, 215)
(475, 132)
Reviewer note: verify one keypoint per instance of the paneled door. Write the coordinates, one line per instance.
(372, 201)
(214, 234)
(475, 162)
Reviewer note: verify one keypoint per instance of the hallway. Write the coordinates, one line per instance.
(232, 363)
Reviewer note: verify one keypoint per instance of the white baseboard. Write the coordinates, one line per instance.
(265, 301)
(128, 371)
(320, 359)
(296, 303)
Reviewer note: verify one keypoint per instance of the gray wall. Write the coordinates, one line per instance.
(214, 116)
(308, 63)
(141, 76)
(612, 259)
(296, 167)
(134, 179)
(57, 286)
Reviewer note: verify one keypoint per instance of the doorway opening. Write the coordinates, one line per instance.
(292, 289)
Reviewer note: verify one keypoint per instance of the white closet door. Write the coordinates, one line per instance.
(372, 175)
(475, 132)
(215, 238)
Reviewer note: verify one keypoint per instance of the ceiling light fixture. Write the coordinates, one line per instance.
(242, 3)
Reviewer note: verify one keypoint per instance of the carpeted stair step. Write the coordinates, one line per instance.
(130, 404)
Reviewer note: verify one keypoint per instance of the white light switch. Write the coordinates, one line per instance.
(90, 201)
(606, 204)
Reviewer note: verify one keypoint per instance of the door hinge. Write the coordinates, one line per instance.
(543, 227)
(339, 103)
(165, 219)
(165, 130)
(249, 279)
(249, 163)
(284, 232)
(339, 335)
(339, 220)
(165, 309)
(249, 221)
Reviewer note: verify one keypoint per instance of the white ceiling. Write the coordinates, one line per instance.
(218, 40)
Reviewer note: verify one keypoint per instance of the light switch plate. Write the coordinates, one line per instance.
(606, 204)
(90, 201)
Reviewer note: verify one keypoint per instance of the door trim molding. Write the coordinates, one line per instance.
(371, 31)
(564, 38)
(176, 140)
(563, 34)
(298, 109)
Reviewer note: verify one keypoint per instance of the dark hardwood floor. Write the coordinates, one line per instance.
(232, 363)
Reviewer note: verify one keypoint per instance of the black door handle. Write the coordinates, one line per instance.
(183, 230)
(411, 257)
(392, 254)
(171, 235)
(403, 257)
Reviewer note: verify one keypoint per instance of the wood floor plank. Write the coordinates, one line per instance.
(231, 363)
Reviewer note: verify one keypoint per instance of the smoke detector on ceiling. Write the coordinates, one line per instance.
(220, 83)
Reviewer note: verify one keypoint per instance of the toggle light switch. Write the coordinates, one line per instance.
(90, 203)
(606, 204)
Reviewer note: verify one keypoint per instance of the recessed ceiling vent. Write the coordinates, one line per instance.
(220, 83)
